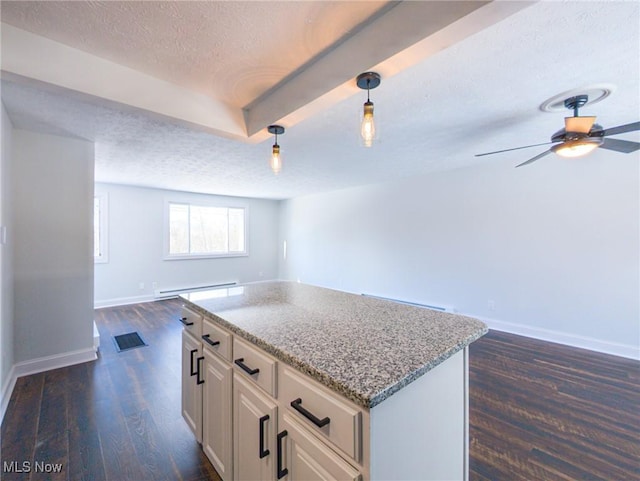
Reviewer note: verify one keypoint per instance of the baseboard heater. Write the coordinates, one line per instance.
(168, 293)
(428, 306)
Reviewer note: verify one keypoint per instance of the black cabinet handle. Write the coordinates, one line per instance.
(193, 372)
(183, 320)
(198, 380)
(261, 451)
(297, 405)
(282, 472)
(245, 368)
(207, 338)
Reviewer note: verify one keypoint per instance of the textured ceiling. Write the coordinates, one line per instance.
(231, 50)
(483, 93)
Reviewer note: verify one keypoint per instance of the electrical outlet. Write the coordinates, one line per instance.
(154, 285)
(141, 285)
(491, 305)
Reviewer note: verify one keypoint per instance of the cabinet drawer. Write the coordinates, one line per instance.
(322, 411)
(216, 339)
(255, 365)
(309, 458)
(192, 322)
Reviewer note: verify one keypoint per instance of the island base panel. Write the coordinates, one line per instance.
(420, 432)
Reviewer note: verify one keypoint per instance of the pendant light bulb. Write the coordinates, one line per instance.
(276, 161)
(367, 81)
(368, 128)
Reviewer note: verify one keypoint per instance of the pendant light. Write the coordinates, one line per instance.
(276, 162)
(368, 81)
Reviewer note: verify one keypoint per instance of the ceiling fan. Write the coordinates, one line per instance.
(581, 135)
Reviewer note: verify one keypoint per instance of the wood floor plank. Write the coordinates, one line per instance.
(20, 426)
(85, 462)
(150, 450)
(120, 459)
(52, 441)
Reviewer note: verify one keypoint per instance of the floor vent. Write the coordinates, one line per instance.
(131, 340)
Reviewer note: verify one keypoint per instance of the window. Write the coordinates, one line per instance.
(100, 228)
(205, 231)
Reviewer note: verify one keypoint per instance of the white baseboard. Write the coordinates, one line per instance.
(7, 390)
(42, 364)
(623, 350)
(123, 301)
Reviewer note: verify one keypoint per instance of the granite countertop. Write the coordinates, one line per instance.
(361, 347)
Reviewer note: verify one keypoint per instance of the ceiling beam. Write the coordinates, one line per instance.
(403, 36)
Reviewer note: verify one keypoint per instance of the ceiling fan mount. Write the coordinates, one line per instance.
(581, 135)
(575, 103)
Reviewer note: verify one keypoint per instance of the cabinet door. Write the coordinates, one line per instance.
(254, 432)
(216, 414)
(308, 458)
(191, 388)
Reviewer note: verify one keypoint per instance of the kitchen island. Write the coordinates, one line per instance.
(329, 384)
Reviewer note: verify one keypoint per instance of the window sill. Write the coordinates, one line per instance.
(203, 256)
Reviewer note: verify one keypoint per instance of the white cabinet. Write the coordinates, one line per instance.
(192, 383)
(216, 414)
(255, 419)
(307, 458)
(260, 419)
(207, 379)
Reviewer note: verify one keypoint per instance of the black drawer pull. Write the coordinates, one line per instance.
(245, 368)
(207, 338)
(198, 380)
(297, 405)
(282, 472)
(183, 320)
(261, 451)
(193, 372)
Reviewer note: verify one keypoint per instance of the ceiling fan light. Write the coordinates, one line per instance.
(576, 148)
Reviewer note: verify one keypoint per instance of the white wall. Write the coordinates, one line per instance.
(136, 243)
(6, 269)
(52, 192)
(555, 245)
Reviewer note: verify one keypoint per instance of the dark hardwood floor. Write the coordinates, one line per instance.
(543, 411)
(538, 411)
(115, 419)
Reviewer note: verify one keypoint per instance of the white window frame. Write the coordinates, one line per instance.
(201, 203)
(103, 257)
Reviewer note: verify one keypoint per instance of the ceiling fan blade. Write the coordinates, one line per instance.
(580, 125)
(620, 129)
(624, 146)
(539, 156)
(515, 148)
